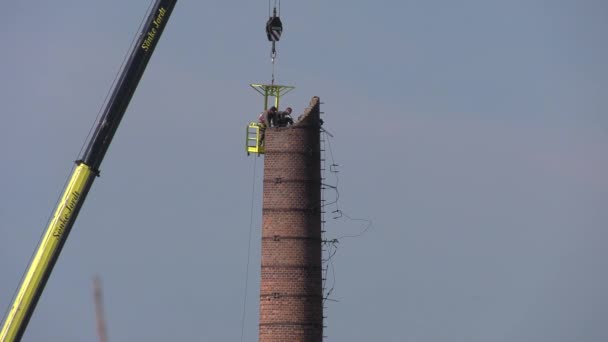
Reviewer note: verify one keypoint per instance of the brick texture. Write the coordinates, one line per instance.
(291, 305)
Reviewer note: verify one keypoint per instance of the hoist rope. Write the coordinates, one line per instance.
(248, 249)
(272, 82)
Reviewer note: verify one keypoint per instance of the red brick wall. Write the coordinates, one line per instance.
(291, 307)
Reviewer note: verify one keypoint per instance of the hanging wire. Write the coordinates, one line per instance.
(367, 227)
(248, 250)
(338, 211)
(333, 169)
(332, 249)
(331, 245)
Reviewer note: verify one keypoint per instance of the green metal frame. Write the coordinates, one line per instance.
(255, 131)
(272, 90)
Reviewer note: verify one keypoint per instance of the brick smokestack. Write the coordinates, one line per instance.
(291, 303)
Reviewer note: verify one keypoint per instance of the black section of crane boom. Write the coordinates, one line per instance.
(81, 181)
(127, 83)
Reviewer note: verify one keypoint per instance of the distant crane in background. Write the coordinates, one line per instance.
(99, 312)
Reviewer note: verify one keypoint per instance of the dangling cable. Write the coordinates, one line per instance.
(248, 250)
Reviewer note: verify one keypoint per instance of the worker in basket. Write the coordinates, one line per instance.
(267, 118)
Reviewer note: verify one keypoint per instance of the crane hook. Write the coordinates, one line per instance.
(274, 29)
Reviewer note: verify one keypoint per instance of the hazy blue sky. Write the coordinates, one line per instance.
(473, 133)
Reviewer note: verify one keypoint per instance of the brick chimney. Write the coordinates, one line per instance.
(291, 303)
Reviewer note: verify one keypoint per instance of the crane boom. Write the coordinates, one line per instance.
(83, 175)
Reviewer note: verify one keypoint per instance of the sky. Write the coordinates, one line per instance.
(472, 134)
